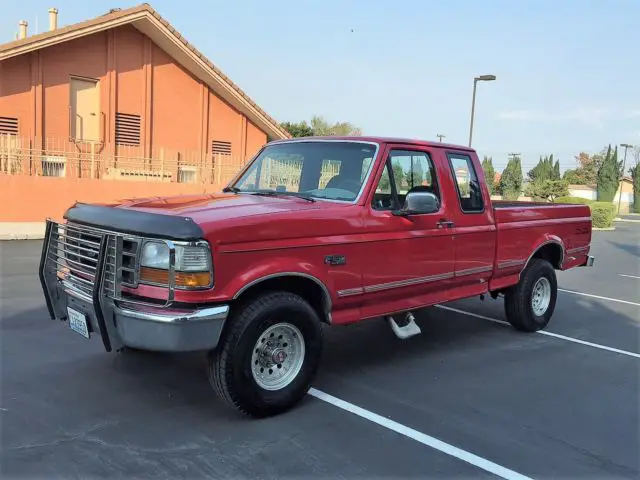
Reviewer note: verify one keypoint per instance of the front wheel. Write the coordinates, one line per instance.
(529, 305)
(268, 356)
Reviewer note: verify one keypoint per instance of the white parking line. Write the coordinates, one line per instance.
(598, 296)
(628, 276)
(543, 332)
(420, 437)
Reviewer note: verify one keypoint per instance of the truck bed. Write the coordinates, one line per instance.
(522, 227)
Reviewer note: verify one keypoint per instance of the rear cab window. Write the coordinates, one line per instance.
(467, 184)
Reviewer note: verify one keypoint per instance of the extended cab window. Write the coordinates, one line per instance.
(405, 171)
(467, 183)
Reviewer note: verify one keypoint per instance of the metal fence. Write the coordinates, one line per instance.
(61, 158)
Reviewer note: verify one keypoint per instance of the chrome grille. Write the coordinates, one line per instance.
(75, 250)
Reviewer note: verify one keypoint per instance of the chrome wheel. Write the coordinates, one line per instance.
(277, 356)
(541, 297)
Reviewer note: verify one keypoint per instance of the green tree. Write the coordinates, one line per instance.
(323, 128)
(416, 176)
(299, 129)
(510, 184)
(320, 127)
(587, 171)
(548, 190)
(572, 177)
(556, 171)
(608, 176)
(544, 170)
(489, 173)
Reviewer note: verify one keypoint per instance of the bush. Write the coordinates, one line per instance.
(602, 214)
(576, 200)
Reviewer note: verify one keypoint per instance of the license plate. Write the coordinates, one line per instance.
(78, 322)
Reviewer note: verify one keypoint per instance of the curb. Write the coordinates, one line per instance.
(21, 236)
(628, 220)
(603, 229)
(22, 230)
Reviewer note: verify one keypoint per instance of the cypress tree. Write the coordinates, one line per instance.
(556, 171)
(608, 176)
(635, 175)
(511, 180)
(489, 173)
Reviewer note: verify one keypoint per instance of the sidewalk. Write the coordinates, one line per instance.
(22, 230)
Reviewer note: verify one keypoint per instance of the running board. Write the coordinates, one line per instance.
(408, 327)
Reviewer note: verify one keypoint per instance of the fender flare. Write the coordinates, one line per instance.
(326, 301)
(549, 241)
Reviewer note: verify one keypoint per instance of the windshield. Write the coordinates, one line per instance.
(332, 170)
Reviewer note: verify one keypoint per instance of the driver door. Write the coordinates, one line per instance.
(408, 261)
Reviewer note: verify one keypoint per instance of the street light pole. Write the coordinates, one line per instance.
(440, 136)
(624, 164)
(481, 78)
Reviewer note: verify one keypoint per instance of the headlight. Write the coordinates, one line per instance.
(192, 265)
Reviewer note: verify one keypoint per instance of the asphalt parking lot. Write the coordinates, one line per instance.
(466, 398)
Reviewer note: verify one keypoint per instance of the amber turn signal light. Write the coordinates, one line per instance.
(182, 279)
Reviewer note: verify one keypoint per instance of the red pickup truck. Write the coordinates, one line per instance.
(311, 231)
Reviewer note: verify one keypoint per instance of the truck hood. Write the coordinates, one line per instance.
(212, 207)
(223, 218)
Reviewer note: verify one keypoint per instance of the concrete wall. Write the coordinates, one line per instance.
(178, 111)
(34, 199)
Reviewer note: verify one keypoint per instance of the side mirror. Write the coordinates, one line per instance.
(419, 203)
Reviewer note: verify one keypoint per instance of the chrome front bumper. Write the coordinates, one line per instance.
(144, 327)
(170, 330)
(125, 323)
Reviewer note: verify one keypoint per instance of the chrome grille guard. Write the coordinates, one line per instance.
(87, 264)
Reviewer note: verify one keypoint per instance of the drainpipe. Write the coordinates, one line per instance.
(23, 29)
(53, 18)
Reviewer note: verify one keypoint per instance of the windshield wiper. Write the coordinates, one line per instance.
(272, 193)
(231, 189)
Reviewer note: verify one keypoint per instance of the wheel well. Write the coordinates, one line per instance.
(311, 290)
(552, 252)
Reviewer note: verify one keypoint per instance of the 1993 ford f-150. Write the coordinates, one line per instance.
(311, 231)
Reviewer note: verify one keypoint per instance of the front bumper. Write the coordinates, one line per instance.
(126, 323)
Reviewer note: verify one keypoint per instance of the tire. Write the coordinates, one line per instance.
(523, 311)
(234, 366)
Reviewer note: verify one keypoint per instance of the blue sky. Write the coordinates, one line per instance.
(568, 73)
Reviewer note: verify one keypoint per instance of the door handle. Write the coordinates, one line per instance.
(445, 224)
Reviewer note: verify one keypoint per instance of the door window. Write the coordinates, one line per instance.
(405, 171)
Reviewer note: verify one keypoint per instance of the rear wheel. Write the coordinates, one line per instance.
(268, 356)
(529, 305)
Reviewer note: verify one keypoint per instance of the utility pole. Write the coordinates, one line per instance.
(440, 136)
(513, 155)
(624, 164)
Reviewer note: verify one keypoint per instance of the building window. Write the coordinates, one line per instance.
(8, 126)
(219, 147)
(10, 158)
(187, 174)
(127, 129)
(54, 166)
